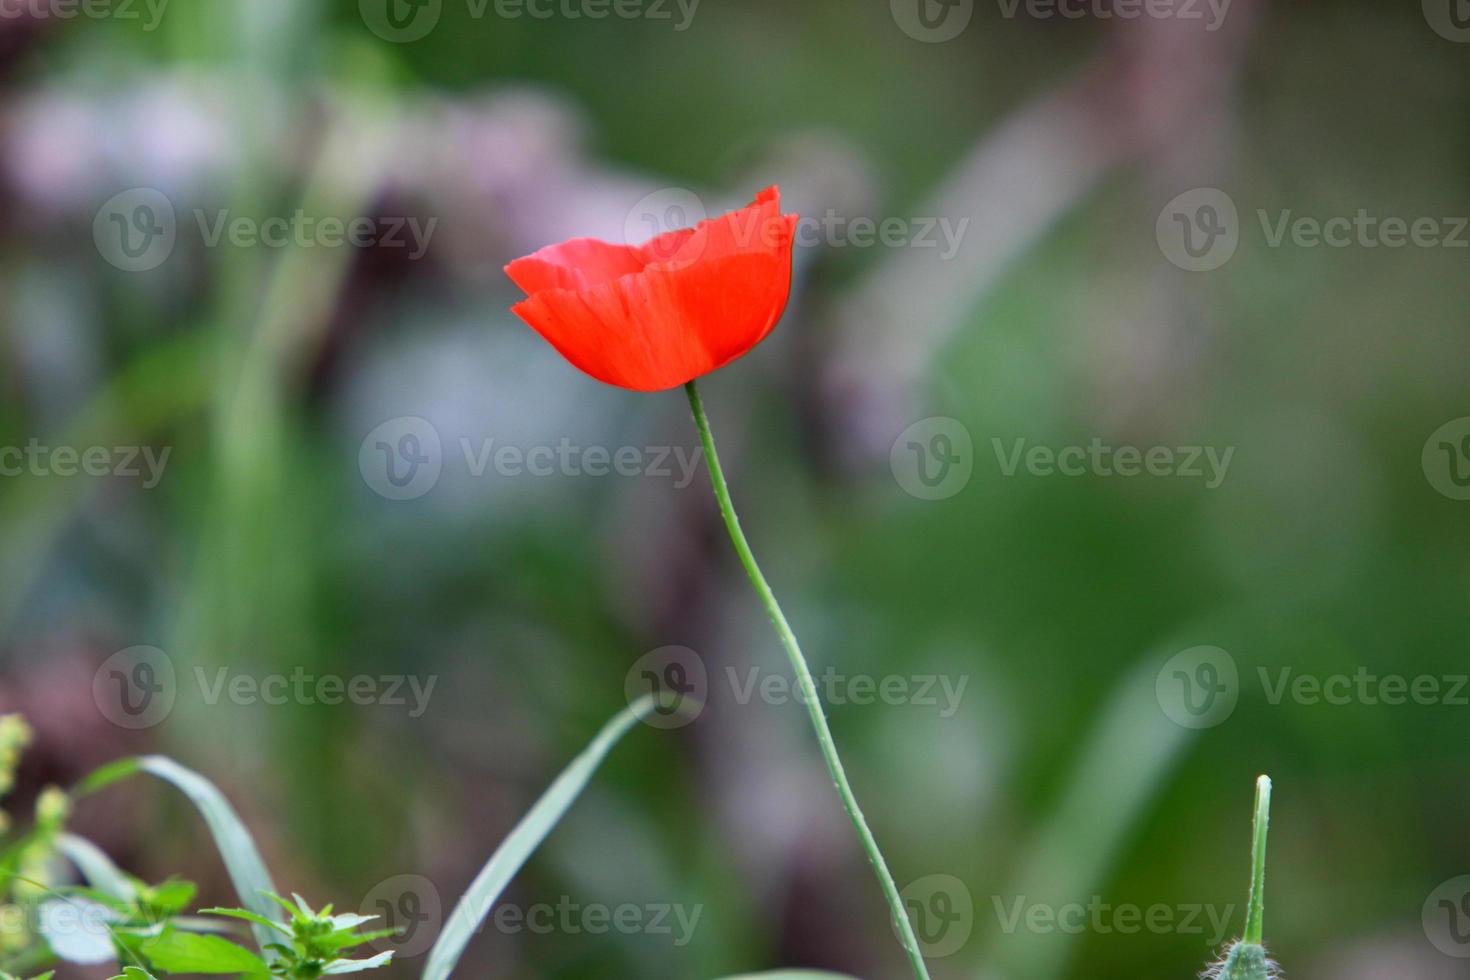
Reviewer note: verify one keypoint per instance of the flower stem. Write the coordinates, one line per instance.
(808, 688)
(1256, 910)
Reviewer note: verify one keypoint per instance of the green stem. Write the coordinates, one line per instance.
(1256, 910)
(808, 688)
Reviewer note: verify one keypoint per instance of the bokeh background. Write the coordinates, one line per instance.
(1069, 148)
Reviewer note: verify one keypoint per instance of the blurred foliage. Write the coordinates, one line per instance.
(263, 550)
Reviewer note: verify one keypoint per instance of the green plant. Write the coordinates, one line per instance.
(1247, 959)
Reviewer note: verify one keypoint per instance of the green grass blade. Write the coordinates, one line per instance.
(517, 848)
(96, 867)
(236, 847)
(1124, 762)
(1256, 914)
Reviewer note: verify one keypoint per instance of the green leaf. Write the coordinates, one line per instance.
(242, 858)
(78, 930)
(248, 916)
(171, 896)
(357, 966)
(792, 975)
(188, 952)
(522, 842)
(128, 973)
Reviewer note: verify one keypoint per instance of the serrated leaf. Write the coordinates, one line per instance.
(522, 842)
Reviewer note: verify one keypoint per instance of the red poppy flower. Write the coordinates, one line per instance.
(656, 315)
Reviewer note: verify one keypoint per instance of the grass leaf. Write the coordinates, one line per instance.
(522, 842)
(96, 867)
(242, 858)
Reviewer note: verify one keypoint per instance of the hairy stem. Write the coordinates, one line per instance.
(808, 688)
(1256, 910)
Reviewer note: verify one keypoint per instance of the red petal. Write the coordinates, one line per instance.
(631, 318)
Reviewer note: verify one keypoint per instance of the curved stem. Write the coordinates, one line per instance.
(808, 688)
(1256, 909)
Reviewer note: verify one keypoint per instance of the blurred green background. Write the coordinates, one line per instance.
(1058, 148)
